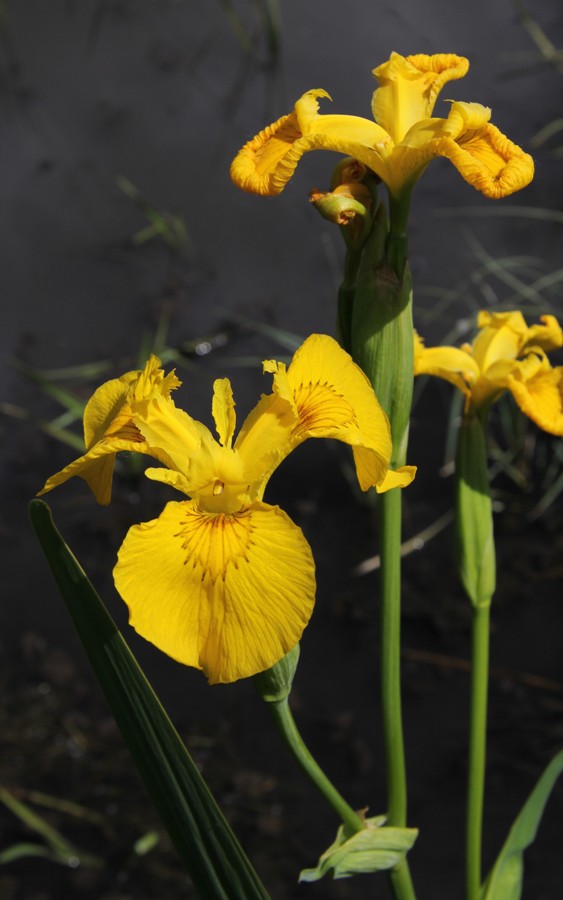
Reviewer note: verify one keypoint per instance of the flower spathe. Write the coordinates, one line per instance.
(402, 140)
(221, 580)
(506, 354)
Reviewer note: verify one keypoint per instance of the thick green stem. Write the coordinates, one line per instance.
(396, 250)
(383, 344)
(477, 747)
(285, 723)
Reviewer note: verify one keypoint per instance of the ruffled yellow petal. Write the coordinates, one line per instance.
(548, 335)
(230, 595)
(409, 87)
(266, 163)
(108, 411)
(484, 157)
(400, 143)
(488, 161)
(109, 428)
(541, 397)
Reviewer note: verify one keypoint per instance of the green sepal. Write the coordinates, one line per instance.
(504, 881)
(382, 341)
(475, 543)
(275, 684)
(373, 849)
(203, 839)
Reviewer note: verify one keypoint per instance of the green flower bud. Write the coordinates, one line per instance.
(474, 516)
(274, 684)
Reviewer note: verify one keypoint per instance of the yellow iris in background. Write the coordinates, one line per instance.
(223, 581)
(401, 141)
(508, 355)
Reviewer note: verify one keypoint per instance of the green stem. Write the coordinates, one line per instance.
(383, 345)
(285, 723)
(477, 747)
(401, 882)
(390, 580)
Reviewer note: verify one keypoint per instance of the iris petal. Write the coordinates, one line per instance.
(323, 394)
(109, 428)
(231, 594)
(409, 87)
(401, 142)
(541, 398)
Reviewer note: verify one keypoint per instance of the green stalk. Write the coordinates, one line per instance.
(477, 748)
(383, 345)
(285, 723)
(476, 564)
(390, 581)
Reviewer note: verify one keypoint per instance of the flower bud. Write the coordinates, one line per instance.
(343, 204)
(274, 684)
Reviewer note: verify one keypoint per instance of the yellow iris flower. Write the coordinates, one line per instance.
(505, 355)
(223, 581)
(401, 141)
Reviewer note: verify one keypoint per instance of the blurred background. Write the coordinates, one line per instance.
(122, 234)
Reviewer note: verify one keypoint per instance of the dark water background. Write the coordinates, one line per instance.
(163, 94)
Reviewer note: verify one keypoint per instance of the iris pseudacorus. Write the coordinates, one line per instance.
(506, 354)
(402, 140)
(221, 580)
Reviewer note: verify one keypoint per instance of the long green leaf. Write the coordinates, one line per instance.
(505, 878)
(203, 839)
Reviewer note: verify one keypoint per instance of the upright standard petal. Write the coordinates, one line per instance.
(409, 86)
(231, 594)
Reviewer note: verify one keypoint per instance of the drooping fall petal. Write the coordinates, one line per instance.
(266, 163)
(109, 428)
(323, 394)
(450, 363)
(540, 397)
(231, 594)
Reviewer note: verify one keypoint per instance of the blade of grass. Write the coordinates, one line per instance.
(50, 428)
(59, 847)
(66, 398)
